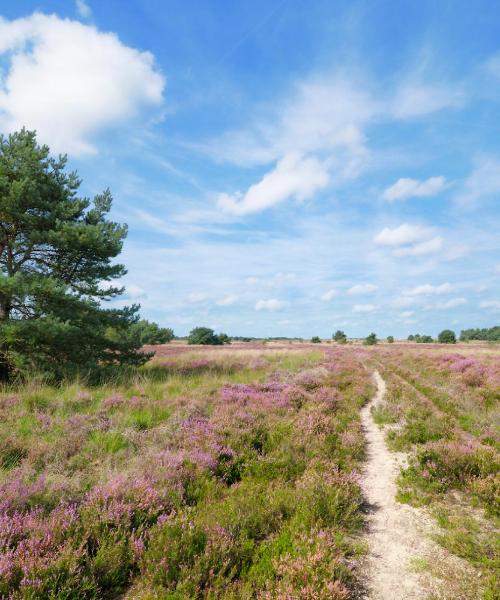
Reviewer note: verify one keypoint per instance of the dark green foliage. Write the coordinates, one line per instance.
(447, 336)
(316, 339)
(491, 335)
(390, 339)
(207, 337)
(56, 249)
(339, 337)
(371, 340)
(148, 332)
(421, 339)
(224, 338)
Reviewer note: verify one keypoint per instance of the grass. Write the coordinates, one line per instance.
(447, 413)
(208, 474)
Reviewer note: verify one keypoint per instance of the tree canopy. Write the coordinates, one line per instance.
(491, 334)
(148, 332)
(56, 267)
(371, 339)
(207, 337)
(339, 337)
(447, 336)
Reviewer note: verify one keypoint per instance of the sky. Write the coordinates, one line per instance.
(286, 167)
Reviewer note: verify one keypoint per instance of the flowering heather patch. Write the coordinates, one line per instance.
(202, 479)
(444, 408)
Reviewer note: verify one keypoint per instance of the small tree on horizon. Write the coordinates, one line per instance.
(390, 339)
(371, 340)
(149, 332)
(447, 336)
(204, 336)
(316, 339)
(340, 337)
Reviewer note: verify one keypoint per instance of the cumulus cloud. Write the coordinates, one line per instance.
(451, 303)
(427, 289)
(409, 240)
(404, 234)
(70, 81)
(408, 188)
(271, 304)
(294, 176)
(329, 295)
(364, 308)
(227, 300)
(361, 288)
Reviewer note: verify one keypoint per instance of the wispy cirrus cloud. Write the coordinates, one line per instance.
(406, 187)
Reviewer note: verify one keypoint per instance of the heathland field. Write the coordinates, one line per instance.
(243, 472)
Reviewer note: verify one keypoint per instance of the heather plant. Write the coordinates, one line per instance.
(204, 478)
(442, 408)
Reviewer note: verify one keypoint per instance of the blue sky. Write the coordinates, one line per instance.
(285, 167)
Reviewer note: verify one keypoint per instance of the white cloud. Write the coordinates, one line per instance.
(410, 240)
(70, 81)
(294, 176)
(493, 305)
(428, 289)
(329, 295)
(451, 303)
(196, 297)
(364, 308)
(497, 268)
(407, 188)
(271, 304)
(361, 288)
(135, 292)
(404, 234)
(483, 183)
(415, 99)
(428, 247)
(83, 9)
(407, 314)
(227, 300)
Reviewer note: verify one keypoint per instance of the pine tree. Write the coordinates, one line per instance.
(56, 251)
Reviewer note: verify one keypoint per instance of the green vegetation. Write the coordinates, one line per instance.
(390, 339)
(371, 340)
(206, 337)
(447, 336)
(56, 249)
(316, 340)
(445, 407)
(147, 332)
(207, 475)
(491, 334)
(421, 339)
(339, 337)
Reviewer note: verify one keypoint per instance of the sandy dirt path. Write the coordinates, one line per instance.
(395, 531)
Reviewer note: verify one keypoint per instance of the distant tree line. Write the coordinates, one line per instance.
(491, 334)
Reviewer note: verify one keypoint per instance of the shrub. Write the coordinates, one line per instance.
(390, 339)
(340, 337)
(371, 339)
(151, 333)
(316, 339)
(205, 336)
(447, 336)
